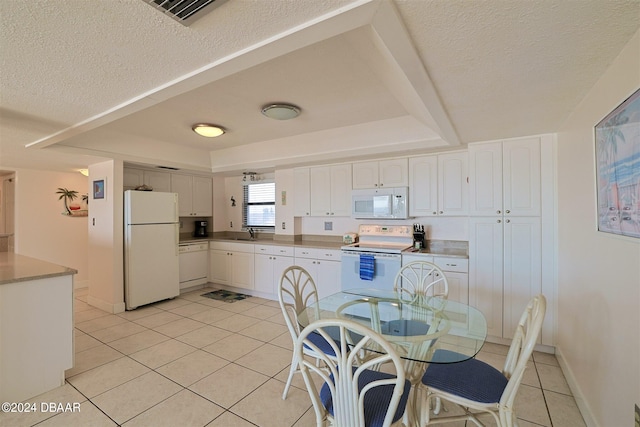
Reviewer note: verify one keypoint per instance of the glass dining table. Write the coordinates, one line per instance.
(417, 326)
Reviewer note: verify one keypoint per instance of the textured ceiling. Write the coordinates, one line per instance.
(85, 80)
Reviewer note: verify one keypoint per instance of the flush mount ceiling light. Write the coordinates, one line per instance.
(281, 111)
(84, 172)
(207, 130)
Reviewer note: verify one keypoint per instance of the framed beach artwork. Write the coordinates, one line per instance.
(618, 169)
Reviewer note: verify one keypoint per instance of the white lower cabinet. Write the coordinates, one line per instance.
(270, 262)
(324, 266)
(231, 264)
(505, 270)
(219, 267)
(456, 270)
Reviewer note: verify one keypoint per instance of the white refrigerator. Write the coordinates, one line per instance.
(150, 247)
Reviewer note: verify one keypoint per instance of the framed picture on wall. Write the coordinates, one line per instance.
(99, 188)
(617, 139)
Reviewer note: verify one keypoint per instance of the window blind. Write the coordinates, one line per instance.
(259, 207)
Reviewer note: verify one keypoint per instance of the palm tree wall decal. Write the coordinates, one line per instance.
(67, 195)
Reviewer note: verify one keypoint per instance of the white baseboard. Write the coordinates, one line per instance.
(105, 306)
(582, 403)
(79, 284)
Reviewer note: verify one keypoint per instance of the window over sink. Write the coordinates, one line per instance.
(259, 206)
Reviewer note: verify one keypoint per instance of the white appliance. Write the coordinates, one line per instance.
(150, 247)
(380, 203)
(385, 244)
(194, 263)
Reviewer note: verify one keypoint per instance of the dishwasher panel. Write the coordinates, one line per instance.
(194, 264)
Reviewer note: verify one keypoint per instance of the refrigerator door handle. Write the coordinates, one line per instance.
(177, 227)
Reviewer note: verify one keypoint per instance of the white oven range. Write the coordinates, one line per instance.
(383, 243)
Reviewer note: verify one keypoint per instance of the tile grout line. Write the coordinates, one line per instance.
(164, 376)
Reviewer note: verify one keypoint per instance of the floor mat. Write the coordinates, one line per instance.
(226, 296)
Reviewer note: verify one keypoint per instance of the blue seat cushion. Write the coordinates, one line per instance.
(322, 343)
(376, 400)
(471, 379)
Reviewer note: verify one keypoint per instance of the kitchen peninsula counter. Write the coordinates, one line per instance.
(20, 268)
(36, 326)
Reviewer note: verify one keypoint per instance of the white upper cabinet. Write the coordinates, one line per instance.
(438, 185)
(132, 178)
(384, 173)
(504, 178)
(301, 192)
(453, 194)
(195, 194)
(423, 186)
(159, 181)
(330, 190)
(521, 180)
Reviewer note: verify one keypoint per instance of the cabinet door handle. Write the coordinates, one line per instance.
(498, 212)
(441, 212)
(499, 221)
(508, 211)
(508, 221)
(435, 213)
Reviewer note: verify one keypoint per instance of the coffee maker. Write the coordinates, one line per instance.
(200, 229)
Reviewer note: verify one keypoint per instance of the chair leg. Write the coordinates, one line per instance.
(292, 370)
(436, 410)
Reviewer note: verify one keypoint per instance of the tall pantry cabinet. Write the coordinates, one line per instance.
(506, 220)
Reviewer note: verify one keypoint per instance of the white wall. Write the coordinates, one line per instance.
(106, 263)
(598, 273)
(41, 231)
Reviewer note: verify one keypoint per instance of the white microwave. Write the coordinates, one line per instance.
(380, 203)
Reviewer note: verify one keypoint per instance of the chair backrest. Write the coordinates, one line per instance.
(296, 291)
(524, 340)
(421, 279)
(346, 368)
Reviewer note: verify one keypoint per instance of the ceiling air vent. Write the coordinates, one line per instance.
(185, 11)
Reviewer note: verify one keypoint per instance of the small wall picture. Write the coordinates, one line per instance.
(99, 189)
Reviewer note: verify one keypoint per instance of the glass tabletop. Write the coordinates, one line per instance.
(418, 326)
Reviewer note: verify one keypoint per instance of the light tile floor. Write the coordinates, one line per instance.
(195, 361)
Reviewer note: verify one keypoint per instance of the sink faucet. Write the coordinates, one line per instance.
(252, 233)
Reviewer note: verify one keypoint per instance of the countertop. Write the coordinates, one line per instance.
(438, 248)
(444, 252)
(20, 268)
(296, 243)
